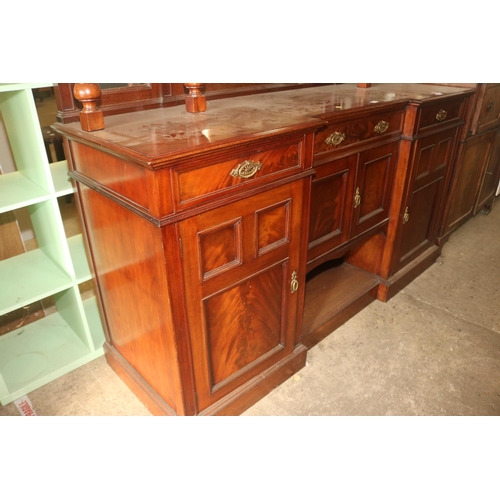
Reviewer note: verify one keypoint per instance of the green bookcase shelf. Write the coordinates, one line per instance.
(29, 277)
(72, 334)
(40, 352)
(62, 183)
(17, 191)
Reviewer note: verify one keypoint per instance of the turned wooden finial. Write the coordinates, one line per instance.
(91, 118)
(196, 102)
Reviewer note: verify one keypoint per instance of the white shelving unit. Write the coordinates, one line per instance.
(39, 352)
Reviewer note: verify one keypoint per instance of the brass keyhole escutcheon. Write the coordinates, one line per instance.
(357, 199)
(381, 127)
(246, 169)
(441, 115)
(335, 139)
(406, 216)
(294, 284)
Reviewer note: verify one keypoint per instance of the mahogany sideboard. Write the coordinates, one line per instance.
(226, 243)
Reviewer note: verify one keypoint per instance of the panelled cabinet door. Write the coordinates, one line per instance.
(420, 214)
(331, 206)
(467, 180)
(240, 264)
(373, 187)
(491, 176)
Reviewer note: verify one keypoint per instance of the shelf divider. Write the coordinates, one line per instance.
(29, 277)
(37, 354)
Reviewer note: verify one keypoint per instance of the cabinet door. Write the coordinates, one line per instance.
(331, 205)
(374, 180)
(239, 263)
(468, 175)
(421, 213)
(490, 178)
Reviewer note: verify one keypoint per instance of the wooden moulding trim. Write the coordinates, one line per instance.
(433, 129)
(347, 115)
(255, 389)
(177, 217)
(229, 146)
(429, 101)
(112, 195)
(146, 394)
(355, 147)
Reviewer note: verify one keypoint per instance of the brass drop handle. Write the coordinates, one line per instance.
(294, 284)
(406, 216)
(441, 115)
(335, 139)
(357, 199)
(246, 169)
(490, 105)
(381, 127)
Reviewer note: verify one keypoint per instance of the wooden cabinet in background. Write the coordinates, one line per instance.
(477, 170)
(491, 177)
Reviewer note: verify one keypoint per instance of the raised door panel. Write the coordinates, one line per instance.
(422, 211)
(418, 224)
(467, 179)
(331, 206)
(242, 309)
(373, 187)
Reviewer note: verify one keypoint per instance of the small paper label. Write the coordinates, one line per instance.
(25, 407)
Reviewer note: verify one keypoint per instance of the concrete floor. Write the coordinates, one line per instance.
(434, 349)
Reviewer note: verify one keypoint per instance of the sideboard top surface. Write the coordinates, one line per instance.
(156, 136)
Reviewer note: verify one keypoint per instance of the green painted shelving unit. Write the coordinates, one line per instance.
(39, 352)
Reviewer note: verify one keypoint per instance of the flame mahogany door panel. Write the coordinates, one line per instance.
(239, 261)
(331, 205)
(374, 180)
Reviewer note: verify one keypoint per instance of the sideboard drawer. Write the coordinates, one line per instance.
(348, 133)
(203, 181)
(489, 116)
(439, 114)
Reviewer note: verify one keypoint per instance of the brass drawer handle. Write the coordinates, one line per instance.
(441, 115)
(381, 127)
(357, 199)
(406, 216)
(335, 139)
(246, 169)
(294, 284)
